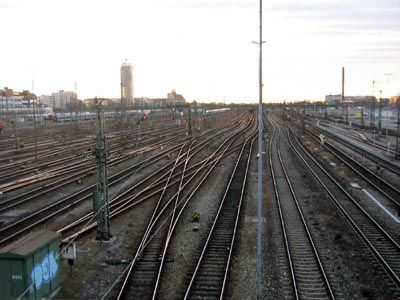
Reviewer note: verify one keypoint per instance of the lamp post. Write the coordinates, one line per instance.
(122, 109)
(34, 117)
(398, 130)
(380, 113)
(260, 169)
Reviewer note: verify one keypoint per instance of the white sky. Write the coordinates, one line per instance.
(201, 48)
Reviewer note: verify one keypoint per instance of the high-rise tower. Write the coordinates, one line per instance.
(127, 84)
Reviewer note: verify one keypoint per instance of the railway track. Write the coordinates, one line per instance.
(362, 151)
(383, 247)
(384, 187)
(144, 275)
(209, 279)
(133, 197)
(52, 161)
(24, 224)
(78, 168)
(61, 154)
(308, 278)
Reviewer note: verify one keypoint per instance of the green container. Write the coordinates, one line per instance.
(30, 266)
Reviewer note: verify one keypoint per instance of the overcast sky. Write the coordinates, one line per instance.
(201, 48)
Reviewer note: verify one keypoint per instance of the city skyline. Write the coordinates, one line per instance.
(202, 48)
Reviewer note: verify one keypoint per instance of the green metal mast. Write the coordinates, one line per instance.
(100, 196)
(398, 130)
(190, 121)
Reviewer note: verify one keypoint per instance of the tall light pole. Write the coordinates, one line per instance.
(380, 114)
(372, 117)
(398, 129)
(260, 161)
(122, 109)
(34, 118)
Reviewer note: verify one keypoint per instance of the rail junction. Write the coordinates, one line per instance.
(183, 207)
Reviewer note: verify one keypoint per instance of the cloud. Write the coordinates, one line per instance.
(8, 4)
(364, 15)
(209, 4)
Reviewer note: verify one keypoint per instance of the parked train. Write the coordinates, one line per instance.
(91, 116)
(216, 111)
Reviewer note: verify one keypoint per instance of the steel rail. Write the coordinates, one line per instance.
(373, 157)
(225, 256)
(83, 194)
(390, 246)
(322, 289)
(129, 272)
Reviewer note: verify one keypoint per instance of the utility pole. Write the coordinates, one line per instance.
(122, 114)
(16, 129)
(199, 113)
(140, 120)
(34, 119)
(380, 113)
(76, 108)
(100, 196)
(260, 168)
(388, 76)
(303, 119)
(152, 111)
(35, 132)
(342, 85)
(362, 117)
(343, 102)
(190, 121)
(398, 130)
(372, 117)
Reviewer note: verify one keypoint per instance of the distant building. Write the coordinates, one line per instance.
(395, 98)
(175, 99)
(64, 100)
(7, 92)
(145, 102)
(127, 84)
(352, 100)
(10, 98)
(361, 100)
(104, 102)
(47, 100)
(333, 99)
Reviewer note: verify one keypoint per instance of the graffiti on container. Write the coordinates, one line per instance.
(45, 271)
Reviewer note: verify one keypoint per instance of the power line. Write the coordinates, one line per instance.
(372, 62)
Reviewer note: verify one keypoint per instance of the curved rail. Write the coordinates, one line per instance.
(145, 253)
(383, 247)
